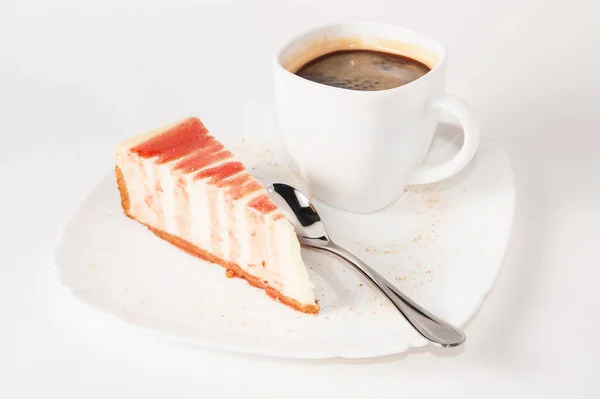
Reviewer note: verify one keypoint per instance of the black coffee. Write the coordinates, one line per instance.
(365, 70)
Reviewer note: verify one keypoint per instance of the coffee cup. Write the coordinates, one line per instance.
(358, 149)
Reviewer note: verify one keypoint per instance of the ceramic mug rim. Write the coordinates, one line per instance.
(441, 52)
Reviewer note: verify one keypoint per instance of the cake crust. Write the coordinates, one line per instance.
(232, 268)
(125, 202)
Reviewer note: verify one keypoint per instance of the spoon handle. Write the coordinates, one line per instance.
(429, 326)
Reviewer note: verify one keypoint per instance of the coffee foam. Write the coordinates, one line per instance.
(317, 47)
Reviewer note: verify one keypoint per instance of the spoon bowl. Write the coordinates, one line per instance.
(301, 213)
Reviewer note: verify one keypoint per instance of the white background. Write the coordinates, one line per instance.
(76, 77)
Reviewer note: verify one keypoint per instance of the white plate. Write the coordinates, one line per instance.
(442, 244)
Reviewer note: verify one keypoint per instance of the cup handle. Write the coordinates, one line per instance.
(424, 174)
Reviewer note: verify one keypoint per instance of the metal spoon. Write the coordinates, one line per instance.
(311, 232)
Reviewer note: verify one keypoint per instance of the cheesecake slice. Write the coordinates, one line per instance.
(189, 190)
